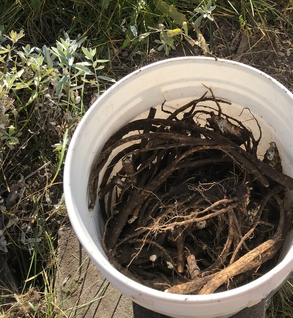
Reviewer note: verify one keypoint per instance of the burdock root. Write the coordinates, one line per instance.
(190, 205)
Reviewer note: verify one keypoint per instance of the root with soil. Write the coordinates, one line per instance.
(188, 206)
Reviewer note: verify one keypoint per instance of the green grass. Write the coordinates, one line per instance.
(116, 23)
(46, 79)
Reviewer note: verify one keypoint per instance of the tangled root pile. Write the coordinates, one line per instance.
(188, 206)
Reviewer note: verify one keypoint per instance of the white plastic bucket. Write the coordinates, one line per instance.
(176, 81)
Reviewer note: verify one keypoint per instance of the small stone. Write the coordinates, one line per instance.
(153, 258)
(169, 265)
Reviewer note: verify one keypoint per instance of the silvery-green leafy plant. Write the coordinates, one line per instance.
(48, 78)
(205, 12)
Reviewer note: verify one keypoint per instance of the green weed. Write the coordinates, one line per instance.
(42, 94)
